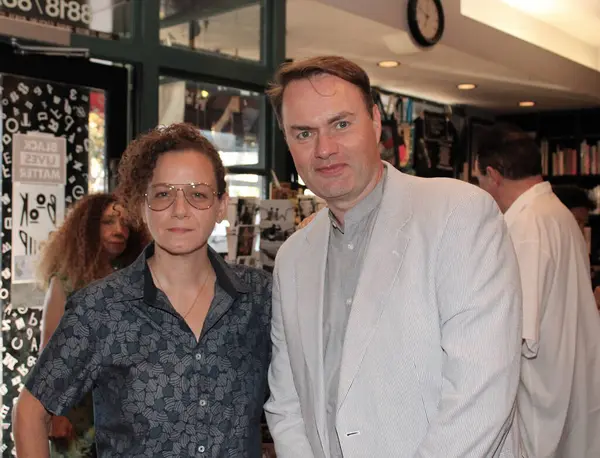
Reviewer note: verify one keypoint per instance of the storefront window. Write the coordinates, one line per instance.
(228, 117)
(221, 27)
(103, 18)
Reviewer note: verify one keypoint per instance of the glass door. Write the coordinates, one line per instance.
(63, 123)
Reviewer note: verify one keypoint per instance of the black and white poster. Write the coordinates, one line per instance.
(38, 211)
(36, 108)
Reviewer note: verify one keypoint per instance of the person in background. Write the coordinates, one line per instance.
(559, 393)
(577, 200)
(175, 347)
(397, 310)
(92, 242)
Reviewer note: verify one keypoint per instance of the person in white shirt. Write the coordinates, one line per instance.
(559, 394)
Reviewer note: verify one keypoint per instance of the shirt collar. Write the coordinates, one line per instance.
(227, 279)
(526, 199)
(363, 208)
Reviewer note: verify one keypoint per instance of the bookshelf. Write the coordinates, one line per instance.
(569, 143)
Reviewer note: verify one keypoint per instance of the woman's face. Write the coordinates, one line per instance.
(113, 230)
(182, 207)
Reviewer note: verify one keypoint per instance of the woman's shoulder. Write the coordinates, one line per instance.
(253, 277)
(63, 281)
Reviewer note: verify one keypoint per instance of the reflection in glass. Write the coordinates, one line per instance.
(231, 28)
(228, 117)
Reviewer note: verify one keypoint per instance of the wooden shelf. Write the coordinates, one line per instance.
(584, 181)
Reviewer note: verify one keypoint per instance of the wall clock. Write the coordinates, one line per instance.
(426, 21)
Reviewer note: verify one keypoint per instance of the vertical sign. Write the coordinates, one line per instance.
(38, 210)
(42, 189)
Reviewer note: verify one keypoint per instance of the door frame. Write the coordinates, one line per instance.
(79, 71)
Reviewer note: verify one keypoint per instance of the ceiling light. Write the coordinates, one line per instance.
(466, 86)
(388, 63)
(526, 103)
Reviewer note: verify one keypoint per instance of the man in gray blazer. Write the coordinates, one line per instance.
(397, 312)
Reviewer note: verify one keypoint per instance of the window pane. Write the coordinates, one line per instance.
(103, 18)
(222, 27)
(228, 117)
(246, 185)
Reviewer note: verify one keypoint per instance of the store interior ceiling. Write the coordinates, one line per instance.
(507, 65)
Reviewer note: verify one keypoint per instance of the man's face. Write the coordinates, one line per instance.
(332, 136)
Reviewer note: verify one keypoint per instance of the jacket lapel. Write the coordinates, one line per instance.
(381, 265)
(310, 279)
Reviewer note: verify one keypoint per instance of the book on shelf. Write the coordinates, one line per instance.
(590, 158)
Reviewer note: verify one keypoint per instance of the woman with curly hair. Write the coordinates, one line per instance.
(93, 241)
(176, 346)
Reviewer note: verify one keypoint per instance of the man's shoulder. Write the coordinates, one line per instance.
(434, 198)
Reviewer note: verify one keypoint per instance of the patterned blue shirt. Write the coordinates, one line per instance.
(158, 392)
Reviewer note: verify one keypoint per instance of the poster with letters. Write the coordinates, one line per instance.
(38, 210)
(55, 114)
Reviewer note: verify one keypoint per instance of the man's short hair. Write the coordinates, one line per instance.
(510, 151)
(307, 68)
(573, 197)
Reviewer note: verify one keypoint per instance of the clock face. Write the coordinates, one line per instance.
(428, 19)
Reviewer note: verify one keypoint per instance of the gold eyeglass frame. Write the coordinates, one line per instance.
(179, 187)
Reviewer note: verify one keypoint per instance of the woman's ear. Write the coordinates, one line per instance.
(223, 203)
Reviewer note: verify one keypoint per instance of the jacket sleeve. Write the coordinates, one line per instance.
(283, 407)
(479, 299)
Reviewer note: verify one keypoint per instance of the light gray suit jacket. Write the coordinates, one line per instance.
(430, 363)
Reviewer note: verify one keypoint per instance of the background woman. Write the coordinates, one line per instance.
(93, 241)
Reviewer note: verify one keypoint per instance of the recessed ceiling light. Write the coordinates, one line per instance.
(527, 103)
(466, 86)
(388, 63)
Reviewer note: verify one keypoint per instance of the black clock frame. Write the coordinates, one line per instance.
(413, 24)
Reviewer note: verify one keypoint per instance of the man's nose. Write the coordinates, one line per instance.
(326, 146)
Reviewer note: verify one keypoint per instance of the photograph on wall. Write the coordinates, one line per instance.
(245, 240)
(277, 224)
(247, 210)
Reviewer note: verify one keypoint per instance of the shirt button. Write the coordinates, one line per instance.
(349, 301)
(350, 246)
(202, 403)
(201, 449)
(198, 356)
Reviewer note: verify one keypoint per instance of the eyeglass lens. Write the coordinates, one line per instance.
(161, 196)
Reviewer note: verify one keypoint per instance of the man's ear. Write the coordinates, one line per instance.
(377, 122)
(494, 175)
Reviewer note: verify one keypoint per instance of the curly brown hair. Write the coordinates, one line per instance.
(74, 252)
(139, 160)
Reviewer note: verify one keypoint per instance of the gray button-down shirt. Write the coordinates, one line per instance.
(345, 255)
